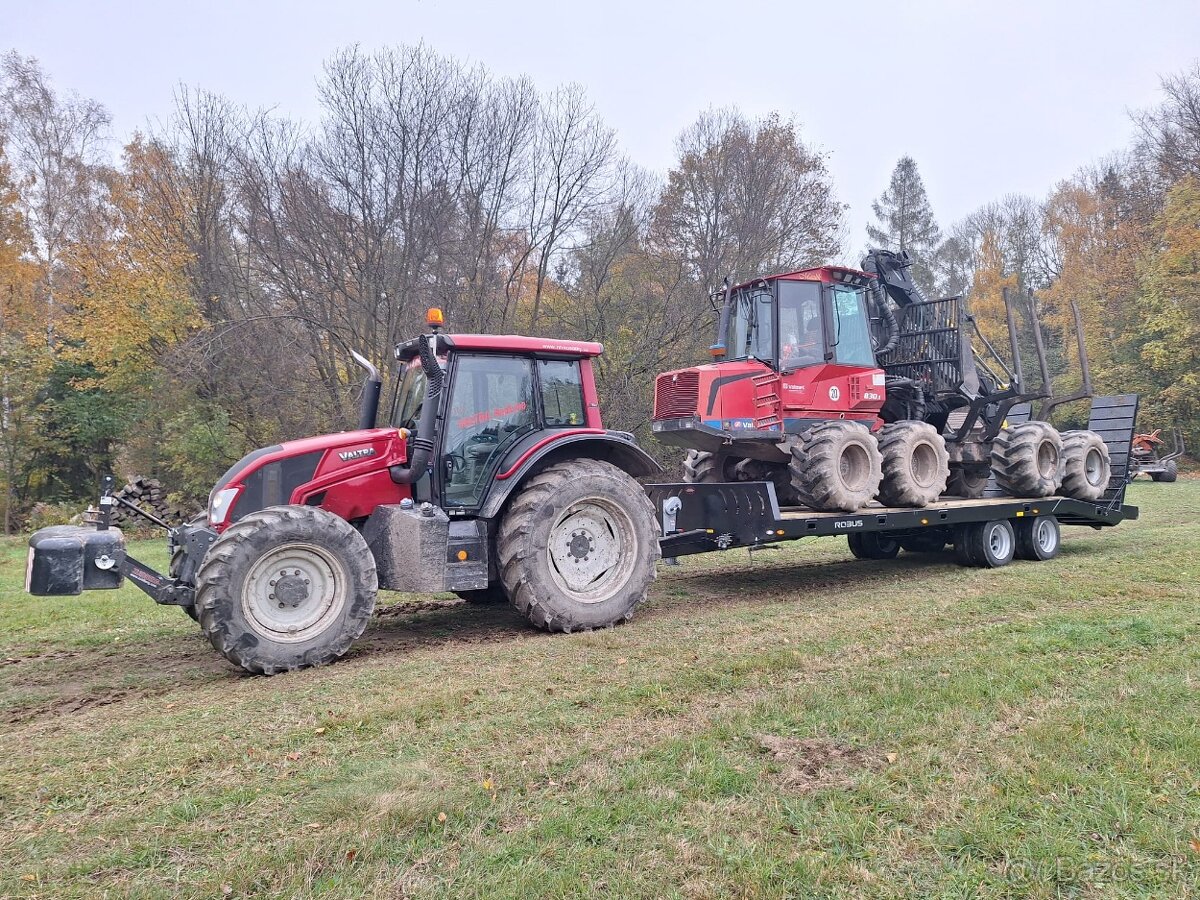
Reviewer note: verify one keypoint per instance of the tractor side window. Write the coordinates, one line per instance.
(800, 340)
(562, 392)
(851, 328)
(491, 408)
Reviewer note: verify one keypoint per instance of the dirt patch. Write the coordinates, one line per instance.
(806, 765)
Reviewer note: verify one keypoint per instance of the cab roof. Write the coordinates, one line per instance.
(827, 274)
(504, 343)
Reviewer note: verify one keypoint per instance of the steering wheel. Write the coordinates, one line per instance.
(458, 462)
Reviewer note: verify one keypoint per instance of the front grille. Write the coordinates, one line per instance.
(675, 394)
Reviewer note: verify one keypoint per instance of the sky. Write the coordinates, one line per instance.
(989, 98)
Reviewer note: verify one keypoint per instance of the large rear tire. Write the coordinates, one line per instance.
(286, 588)
(1027, 460)
(1086, 467)
(578, 546)
(836, 467)
(916, 465)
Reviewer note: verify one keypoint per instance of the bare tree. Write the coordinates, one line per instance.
(1171, 130)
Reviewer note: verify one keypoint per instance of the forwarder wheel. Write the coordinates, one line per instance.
(967, 483)
(916, 465)
(286, 588)
(702, 467)
(836, 467)
(1038, 538)
(1027, 460)
(578, 546)
(988, 545)
(871, 545)
(1086, 467)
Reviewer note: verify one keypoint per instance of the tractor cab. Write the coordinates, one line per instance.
(791, 350)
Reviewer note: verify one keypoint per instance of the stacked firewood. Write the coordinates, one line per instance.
(147, 494)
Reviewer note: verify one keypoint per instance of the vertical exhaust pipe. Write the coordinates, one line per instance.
(368, 409)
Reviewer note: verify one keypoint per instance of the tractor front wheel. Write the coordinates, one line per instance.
(577, 548)
(286, 588)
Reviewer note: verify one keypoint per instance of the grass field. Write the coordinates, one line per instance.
(789, 725)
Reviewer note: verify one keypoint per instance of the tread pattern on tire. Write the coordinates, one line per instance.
(1076, 446)
(1014, 460)
(815, 467)
(214, 592)
(701, 467)
(897, 443)
(514, 549)
(961, 484)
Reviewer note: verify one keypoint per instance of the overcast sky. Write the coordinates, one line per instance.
(989, 98)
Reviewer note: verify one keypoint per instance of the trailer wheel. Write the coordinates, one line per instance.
(964, 544)
(577, 548)
(872, 545)
(1038, 538)
(932, 542)
(836, 467)
(285, 588)
(1027, 459)
(968, 483)
(916, 465)
(991, 544)
(1086, 468)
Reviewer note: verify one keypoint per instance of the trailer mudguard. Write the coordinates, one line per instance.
(541, 450)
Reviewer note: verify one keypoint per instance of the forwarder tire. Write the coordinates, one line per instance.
(967, 483)
(578, 546)
(836, 467)
(1086, 466)
(1038, 538)
(872, 545)
(702, 467)
(286, 588)
(916, 465)
(1027, 460)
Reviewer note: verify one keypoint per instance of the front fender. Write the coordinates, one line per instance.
(542, 450)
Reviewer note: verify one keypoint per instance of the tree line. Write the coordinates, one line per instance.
(163, 312)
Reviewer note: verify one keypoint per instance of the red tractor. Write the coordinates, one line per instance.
(493, 477)
(841, 386)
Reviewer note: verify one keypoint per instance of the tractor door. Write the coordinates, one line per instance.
(491, 407)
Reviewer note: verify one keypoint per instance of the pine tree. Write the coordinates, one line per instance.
(905, 221)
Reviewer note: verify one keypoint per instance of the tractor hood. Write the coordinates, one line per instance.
(296, 471)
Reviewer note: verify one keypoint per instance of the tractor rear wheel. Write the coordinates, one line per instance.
(285, 588)
(1170, 471)
(578, 546)
(1086, 466)
(968, 483)
(916, 465)
(836, 467)
(1027, 460)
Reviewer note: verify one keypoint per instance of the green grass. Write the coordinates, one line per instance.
(1029, 731)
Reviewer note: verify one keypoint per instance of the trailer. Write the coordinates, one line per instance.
(986, 532)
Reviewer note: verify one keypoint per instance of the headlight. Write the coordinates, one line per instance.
(220, 505)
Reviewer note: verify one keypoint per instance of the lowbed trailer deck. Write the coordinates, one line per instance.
(700, 518)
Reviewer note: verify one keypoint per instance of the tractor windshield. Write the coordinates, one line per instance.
(851, 329)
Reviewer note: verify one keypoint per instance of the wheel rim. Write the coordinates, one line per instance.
(1000, 541)
(592, 549)
(1047, 459)
(924, 464)
(854, 467)
(1093, 465)
(1045, 536)
(293, 592)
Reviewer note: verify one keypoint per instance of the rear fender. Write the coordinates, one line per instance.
(529, 458)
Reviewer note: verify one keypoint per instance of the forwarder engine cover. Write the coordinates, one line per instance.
(65, 560)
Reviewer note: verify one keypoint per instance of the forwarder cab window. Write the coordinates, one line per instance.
(562, 392)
